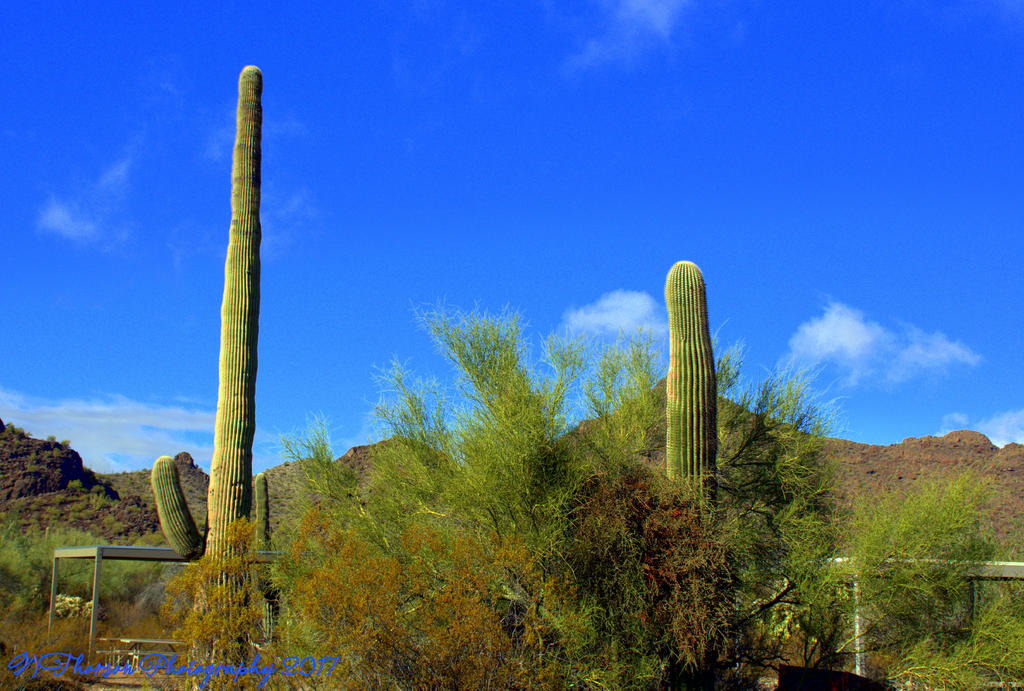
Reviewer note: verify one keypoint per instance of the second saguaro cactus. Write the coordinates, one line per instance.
(230, 492)
(262, 517)
(692, 397)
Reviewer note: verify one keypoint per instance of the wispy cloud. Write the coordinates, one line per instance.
(1001, 429)
(219, 141)
(284, 218)
(114, 433)
(1004, 428)
(625, 310)
(864, 349)
(66, 220)
(88, 216)
(630, 27)
(952, 422)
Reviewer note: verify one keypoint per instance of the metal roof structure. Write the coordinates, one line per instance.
(116, 552)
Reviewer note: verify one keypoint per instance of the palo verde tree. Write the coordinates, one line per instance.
(923, 618)
(622, 577)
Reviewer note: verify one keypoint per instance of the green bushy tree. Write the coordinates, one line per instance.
(635, 576)
(913, 555)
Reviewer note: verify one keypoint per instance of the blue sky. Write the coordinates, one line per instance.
(846, 175)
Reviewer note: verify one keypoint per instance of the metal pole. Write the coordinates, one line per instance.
(95, 600)
(53, 597)
(858, 642)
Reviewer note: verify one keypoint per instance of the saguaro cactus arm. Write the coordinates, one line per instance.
(692, 398)
(262, 511)
(230, 494)
(175, 518)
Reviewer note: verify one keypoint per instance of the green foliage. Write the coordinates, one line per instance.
(26, 560)
(913, 555)
(75, 486)
(13, 431)
(623, 580)
(215, 606)
(430, 616)
(635, 578)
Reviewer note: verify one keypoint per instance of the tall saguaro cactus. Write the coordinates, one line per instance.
(230, 493)
(692, 397)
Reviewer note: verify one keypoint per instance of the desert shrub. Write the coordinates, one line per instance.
(637, 584)
(215, 606)
(21, 634)
(913, 557)
(630, 585)
(653, 572)
(112, 524)
(75, 486)
(26, 561)
(433, 617)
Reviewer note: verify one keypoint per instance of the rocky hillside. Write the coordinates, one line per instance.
(43, 483)
(46, 483)
(866, 468)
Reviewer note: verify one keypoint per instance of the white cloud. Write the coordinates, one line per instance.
(1004, 428)
(842, 336)
(60, 218)
(115, 178)
(283, 219)
(928, 351)
(618, 310)
(865, 349)
(952, 422)
(220, 138)
(114, 433)
(1001, 429)
(80, 217)
(631, 26)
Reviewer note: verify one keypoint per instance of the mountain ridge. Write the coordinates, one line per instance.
(36, 476)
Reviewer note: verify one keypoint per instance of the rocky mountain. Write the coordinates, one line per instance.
(866, 468)
(46, 480)
(43, 483)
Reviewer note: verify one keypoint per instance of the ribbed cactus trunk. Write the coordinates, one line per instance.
(262, 520)
(230, 494)
(691, 411)
(692, 397)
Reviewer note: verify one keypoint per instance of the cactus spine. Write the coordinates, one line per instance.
(691, 394)
(230, 493)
